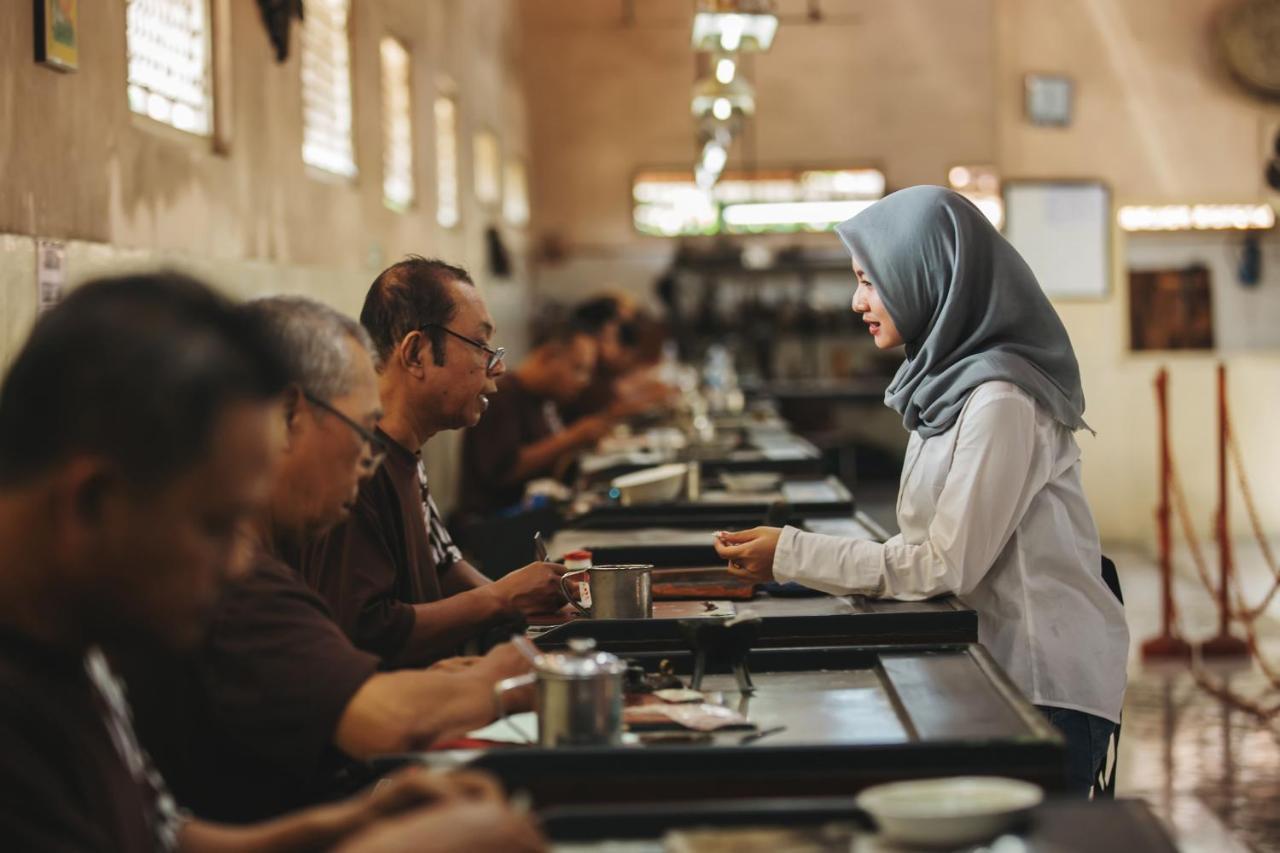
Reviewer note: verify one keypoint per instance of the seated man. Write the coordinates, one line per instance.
(277, 701)
(522, 437)
(620, 385)
(137, 438)
(391, 574)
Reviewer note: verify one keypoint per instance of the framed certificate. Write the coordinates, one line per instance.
(58, 34)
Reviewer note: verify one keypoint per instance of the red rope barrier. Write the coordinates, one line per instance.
(1232, 607)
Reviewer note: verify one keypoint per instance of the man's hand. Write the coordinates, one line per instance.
(415, 787)
(477, 827)
(502, 661)
(641, 394)
(750, 552)
(532, 589)
(458, 663)
(589, 430)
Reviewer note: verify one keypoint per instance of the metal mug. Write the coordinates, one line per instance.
(617, 592)
(579, 696)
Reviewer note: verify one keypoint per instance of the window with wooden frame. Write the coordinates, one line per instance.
(327, 125)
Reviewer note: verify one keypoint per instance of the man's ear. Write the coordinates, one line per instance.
(86, 486)
(414, 352)
(291, 403)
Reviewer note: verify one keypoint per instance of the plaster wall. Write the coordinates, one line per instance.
(127, 193)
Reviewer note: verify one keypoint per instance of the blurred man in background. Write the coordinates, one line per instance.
(620, 385)
(523, 437)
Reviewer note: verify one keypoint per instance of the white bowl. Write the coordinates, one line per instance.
(751, 482)
(652, 485)
(948, 812)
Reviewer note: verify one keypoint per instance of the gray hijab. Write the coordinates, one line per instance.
(967, 305)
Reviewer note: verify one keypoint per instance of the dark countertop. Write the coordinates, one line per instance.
(1056, 826)
(854, 717)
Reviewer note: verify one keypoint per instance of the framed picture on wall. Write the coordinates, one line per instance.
(1063, 230)
(58, 34)
(1171, 309)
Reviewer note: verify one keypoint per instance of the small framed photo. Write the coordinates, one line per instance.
(58, 34)
(1048, 99)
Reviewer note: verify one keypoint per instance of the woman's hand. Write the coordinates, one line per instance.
(749, 552)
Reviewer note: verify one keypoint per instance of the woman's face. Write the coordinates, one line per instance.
(866, 301)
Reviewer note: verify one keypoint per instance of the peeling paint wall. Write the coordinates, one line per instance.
(76, 164)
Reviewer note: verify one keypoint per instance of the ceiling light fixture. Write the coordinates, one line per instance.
(732, 25)
(725, 69)
(722, 100)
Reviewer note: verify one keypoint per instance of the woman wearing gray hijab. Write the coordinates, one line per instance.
(990, 505)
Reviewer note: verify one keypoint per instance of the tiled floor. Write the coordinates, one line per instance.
(1210, 770)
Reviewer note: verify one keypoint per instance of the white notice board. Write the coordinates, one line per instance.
(1063, 230)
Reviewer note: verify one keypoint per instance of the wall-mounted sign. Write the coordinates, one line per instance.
(51, 273)
(1048, 99)
(58, 34)
(1196, 217)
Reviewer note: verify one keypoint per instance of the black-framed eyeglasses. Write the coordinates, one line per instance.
(496, 354)
(377, 447)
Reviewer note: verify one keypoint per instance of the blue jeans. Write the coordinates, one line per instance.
(1087, 739)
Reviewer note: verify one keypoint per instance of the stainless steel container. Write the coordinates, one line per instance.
(579, 695)
(617, 592)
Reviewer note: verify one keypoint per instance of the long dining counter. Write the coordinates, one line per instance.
(821, 722)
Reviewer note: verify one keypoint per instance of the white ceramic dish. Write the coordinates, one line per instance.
(652, 485)
(751, 482)
(942, 813)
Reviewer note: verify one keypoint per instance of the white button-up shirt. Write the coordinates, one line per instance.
(993, 510)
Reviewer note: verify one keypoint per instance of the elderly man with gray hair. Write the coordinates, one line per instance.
(278, 707)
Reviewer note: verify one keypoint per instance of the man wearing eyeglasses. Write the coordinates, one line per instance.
(396, 582)
(139, 435)
(270, 712)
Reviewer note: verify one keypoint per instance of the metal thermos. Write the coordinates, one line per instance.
(579, 695)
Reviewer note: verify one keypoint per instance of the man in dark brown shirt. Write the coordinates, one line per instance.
(277, 702)
(391, 574)
(136, 436)
(522, 437)
(619, 386)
